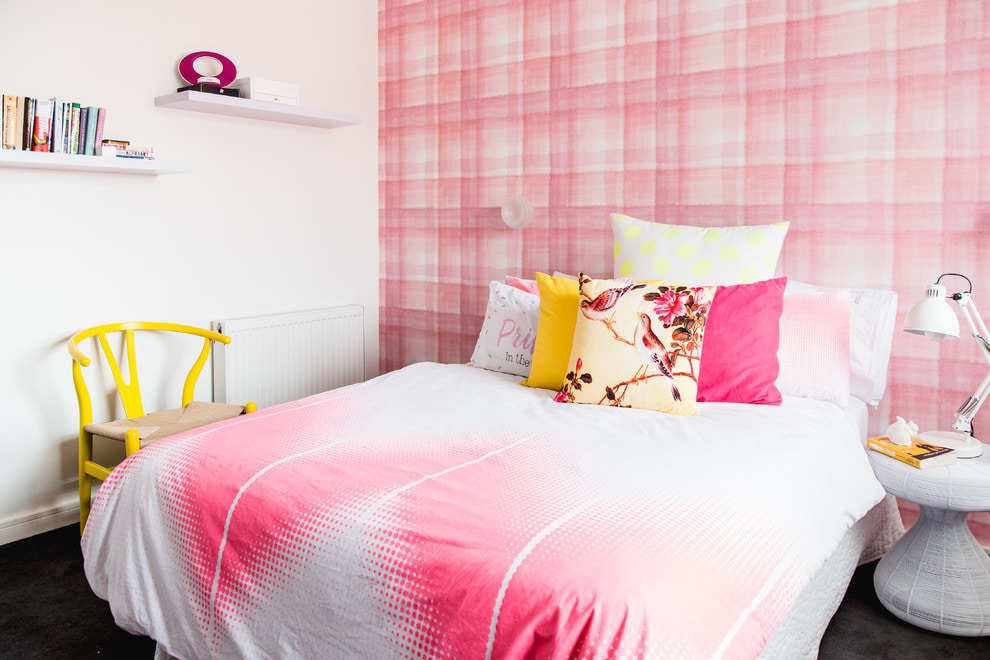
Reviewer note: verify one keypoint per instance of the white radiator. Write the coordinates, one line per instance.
(281, 357)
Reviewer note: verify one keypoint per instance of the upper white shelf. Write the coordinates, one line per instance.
(50, 161)
(252, 109)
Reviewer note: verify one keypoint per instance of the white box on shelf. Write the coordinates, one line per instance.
(260, 89)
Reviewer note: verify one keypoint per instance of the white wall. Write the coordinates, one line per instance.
(273, 217)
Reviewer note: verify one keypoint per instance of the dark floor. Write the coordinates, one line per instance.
(863, 628)
(48, 611)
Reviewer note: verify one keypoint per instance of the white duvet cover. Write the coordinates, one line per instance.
(447, 511)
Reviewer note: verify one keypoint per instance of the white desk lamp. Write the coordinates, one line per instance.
(934, 318)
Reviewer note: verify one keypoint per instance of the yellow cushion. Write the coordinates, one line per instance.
(637, 345)
(558, 313)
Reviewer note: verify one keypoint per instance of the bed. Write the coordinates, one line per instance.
(639, 497)
(445, 511)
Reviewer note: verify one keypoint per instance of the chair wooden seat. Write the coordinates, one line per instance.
(164, 423)
(137, 429)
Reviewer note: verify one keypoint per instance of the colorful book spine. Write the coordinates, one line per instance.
(29, 104)
(101, 118)
(19, 124)
(74, 129)
(91, 122)
(83, 120)
(66, 124)
(28, 123)
(42, 125)
(57, 135)
(9, 121)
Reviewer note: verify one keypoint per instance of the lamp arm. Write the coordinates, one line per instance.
(967, 411)
(975, 321)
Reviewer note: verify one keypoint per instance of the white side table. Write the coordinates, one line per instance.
(937, 576)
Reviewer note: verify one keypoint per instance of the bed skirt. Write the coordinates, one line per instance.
(800, 633)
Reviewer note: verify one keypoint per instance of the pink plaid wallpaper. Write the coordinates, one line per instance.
(865, 124)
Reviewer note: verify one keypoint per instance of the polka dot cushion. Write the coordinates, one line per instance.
(695, 256)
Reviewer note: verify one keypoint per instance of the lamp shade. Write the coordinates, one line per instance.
(932, 316)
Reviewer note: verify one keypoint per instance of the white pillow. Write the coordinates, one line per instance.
(871, 331)
(696, 256)
(509, 331)
(814, 346)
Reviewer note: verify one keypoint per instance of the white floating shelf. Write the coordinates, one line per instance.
(49, 161)
(267, 110)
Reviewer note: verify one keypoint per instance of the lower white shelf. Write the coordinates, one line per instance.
(50, 161)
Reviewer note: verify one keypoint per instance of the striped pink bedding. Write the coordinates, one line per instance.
(443, 511)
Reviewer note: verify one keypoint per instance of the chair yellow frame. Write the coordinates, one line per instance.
(129, 391)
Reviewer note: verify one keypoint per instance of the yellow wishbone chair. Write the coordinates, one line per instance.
(138, 429)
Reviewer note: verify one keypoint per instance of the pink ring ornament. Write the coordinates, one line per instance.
(187, 69)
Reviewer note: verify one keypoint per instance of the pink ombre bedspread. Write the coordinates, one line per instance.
(443, 511)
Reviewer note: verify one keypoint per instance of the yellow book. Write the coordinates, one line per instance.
(919, 454)
(9, 121)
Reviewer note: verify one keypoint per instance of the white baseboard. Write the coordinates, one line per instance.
(15, 529)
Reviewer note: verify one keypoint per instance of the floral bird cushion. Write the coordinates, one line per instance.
(637, 345)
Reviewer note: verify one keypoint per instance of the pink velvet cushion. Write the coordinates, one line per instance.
(529, 286)
(739, 356)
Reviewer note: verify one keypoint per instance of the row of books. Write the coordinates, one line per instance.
(51, 125)
(123, 149)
